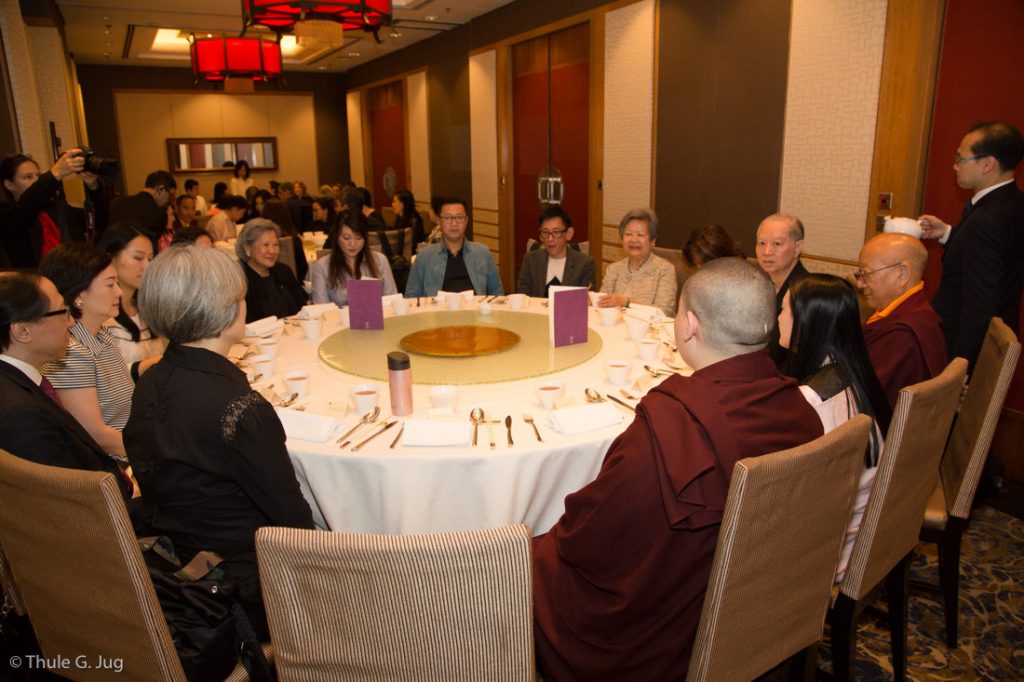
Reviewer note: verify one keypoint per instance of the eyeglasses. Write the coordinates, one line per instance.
(861, 275)
(964, 159)
(454, 219)
(66, 311)
(552, 234)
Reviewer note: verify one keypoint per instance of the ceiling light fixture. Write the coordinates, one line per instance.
(288, 15)
(235, 59)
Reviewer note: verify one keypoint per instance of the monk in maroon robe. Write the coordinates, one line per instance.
(904, 335)
(619, 581)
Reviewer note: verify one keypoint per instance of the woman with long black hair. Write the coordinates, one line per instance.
(351, 258)
(820, 325)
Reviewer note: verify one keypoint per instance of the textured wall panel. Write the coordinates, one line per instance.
(835, 68)
(483, 116)
(146, 120)
(53, 83)
(354, 111)
(628, 108)
(32, 128)
(418, 143)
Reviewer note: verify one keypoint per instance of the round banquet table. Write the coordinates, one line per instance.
(420, 489)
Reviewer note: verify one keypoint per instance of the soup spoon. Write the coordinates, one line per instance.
(477, 417)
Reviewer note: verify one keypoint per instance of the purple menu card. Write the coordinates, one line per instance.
(568, 315)
(365, 309)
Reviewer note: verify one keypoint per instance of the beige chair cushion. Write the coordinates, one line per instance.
(447, 606)
(905, 479)
(777, 553)
(972, 434)
(935, 514)
(675, 257)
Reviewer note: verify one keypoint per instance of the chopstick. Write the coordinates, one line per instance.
(398, 437)
(380, 429)
(616, 400)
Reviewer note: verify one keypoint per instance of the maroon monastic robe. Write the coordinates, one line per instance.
(619, 581)
(907, 346)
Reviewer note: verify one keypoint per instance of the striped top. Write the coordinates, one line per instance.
(135, 351)
(95, 362)
(653, 284)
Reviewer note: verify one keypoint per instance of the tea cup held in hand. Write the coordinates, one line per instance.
(618, 371)
(364, 397)
(549, 393)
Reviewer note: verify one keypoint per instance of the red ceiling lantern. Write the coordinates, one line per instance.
(282, 15)
(218, 59)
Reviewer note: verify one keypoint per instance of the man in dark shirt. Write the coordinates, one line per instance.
(780, 240)
(147, 210)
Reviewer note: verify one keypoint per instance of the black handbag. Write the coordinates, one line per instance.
(210, 629)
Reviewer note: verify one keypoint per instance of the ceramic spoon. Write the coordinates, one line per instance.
(476, 416)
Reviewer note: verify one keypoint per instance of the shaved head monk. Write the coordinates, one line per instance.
(619, 581)
(904, 335)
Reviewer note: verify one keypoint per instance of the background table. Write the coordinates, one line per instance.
(416, 490)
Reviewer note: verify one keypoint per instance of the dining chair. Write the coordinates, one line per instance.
(286, 256)
(73, 556)
(892, 518)
(948, 513)
(444, 606)
(785, 517)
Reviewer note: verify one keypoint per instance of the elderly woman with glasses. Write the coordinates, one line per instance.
(209, 452)
(559, 261)
(641, 277)
(92, 380)
(273, 288)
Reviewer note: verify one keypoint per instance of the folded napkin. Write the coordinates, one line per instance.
(426, 433)
(386, 300)
(572, 421)
(305, 426)
(647, 313)
(311, 312)
(467, 295)
(267, 325)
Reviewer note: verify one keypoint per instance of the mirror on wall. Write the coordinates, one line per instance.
(213, 154)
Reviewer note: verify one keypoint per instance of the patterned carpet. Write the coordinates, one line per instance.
(991, 612)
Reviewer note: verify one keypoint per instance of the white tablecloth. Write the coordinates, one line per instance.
(415, 490)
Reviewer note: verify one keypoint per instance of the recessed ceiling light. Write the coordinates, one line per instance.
(322, 68)
(431, 17)
(395, 34)
(353, 54)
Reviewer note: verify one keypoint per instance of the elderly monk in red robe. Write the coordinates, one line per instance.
(619, 581)
(904, 335)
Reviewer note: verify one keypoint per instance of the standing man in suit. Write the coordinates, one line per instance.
(34, 324)
(556, 263)
(983, 260)
(147, 210)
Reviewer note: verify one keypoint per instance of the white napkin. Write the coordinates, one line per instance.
(311, 312)
(305, 426)
(573, 421)
(267, 325)
(467, 295)
(647, 313)
(426, 433)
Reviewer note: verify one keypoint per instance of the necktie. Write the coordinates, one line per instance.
(50, 391)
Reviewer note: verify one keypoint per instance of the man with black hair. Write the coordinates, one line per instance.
(192, 190)
(223, 226)
(558, 262)
(982, 268)
(147, 210)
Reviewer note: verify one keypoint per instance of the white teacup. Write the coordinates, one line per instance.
(454, 301)
(400, 306)
(595, 296)
(297, 382)
(444, 396)
(618, 371)
(637, 328)
(268, 347)
(262, 366)
(609, 316)
(517, 301)
(364, 397)
(311, 328)
(485, 308)
(648, 349)
(550, 392)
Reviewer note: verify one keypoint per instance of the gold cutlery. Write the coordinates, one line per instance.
(380, 429)
(508, 428)
(528, 418)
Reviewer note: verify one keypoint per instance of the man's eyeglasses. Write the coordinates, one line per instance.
(454, 219)
(964, 159)
(552, 234)
(861, 275)
(65, 311)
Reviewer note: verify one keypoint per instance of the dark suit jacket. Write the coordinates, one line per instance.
(579, 271)
(140, 210)
(35, 428)
(982, 271)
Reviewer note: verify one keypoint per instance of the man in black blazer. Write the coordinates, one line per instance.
(983, 260)
(557, 262)
(147, 210)
(34, 324)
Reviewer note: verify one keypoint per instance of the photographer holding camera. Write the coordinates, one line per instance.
(36, 218)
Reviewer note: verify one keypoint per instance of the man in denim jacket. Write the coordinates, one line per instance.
(453, 264)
